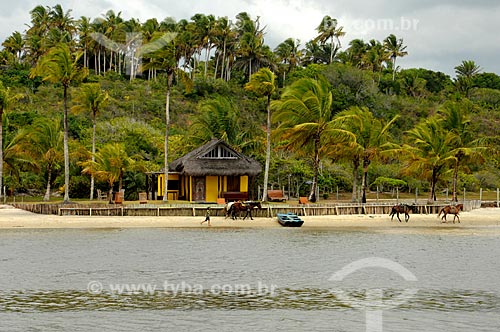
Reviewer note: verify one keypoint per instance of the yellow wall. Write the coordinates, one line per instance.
(212, 188)
(244, 183)
(161, 177)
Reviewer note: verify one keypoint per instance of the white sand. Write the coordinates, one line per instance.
(480, 220)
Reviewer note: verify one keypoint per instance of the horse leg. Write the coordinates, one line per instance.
(398, 217)
(407, 217)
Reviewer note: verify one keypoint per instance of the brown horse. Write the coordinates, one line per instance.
(233, 209)
(403, 209)
(451, 209)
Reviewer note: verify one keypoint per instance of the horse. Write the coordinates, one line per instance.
(234, 208)
(451, 209)
(401, 208)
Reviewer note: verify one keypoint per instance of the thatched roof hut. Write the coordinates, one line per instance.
(215, 158)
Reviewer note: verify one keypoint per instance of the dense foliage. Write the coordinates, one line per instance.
(346, 119)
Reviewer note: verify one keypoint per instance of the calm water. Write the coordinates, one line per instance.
(247, 280)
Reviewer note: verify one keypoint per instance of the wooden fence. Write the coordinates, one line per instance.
(268, 210)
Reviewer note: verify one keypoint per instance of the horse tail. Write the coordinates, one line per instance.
(440, 211)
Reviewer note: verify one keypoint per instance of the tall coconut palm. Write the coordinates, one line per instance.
(396, 49)
(59, 65)
(305, 120)
(6, 99)
(467, 145)
(166, 59)
(262, 83)
(15, 45)
(252, 53)
(45, 140)
(329, 30)
(371, 136)
(289, 55)
(429, 151)
(91, 98)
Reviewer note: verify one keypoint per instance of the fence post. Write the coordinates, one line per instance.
(498, 197)
(416, 195)
(480, 195)
(464, 195)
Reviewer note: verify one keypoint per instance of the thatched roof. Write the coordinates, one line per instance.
(215, 158)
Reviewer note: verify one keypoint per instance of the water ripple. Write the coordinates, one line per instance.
(281, 298)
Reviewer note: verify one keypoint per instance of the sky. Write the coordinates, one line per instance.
(439, 34)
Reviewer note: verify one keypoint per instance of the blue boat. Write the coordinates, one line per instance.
(289, 220)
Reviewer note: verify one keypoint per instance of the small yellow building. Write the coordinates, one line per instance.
(206, 174)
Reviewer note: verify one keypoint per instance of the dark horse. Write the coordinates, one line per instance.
(401, 208)
(451, 209)
(233, 209)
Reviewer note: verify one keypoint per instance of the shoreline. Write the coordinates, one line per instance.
(484, 219)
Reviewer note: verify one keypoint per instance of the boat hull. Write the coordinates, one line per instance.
(289, 220)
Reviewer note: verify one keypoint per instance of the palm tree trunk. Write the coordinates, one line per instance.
(92, 179)
(364, 184)
(167, 126)
(331, 49)
(206, 61)
(46, 198)
(66, 148)
(1, 152)
(432, 194)
(355, 179)
(312, 195)
(268, 149)
(223, 60)
(455, 181)
(393, 68)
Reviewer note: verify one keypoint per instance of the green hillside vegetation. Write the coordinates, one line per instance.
(340, 117)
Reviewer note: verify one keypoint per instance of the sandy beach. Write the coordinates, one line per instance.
(483, 220)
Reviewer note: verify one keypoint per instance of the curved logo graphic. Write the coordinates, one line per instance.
(374, 300)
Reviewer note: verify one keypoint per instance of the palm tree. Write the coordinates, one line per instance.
(15, 45)
(289, 55)
(111, 162)
(429, 151)
(217, 117)
(45, 140)
(465, 73)
(252, 53)
(6, 99)
(167, 59)
(356, 52)
(16, 157)
(375, 56)
(262, 83)
(371, 137)
(329, 31)
(396, 49)
(316, 53)
(59, 65)
(306, 121)
(91, 98)
(467, 145)
(85, 40)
